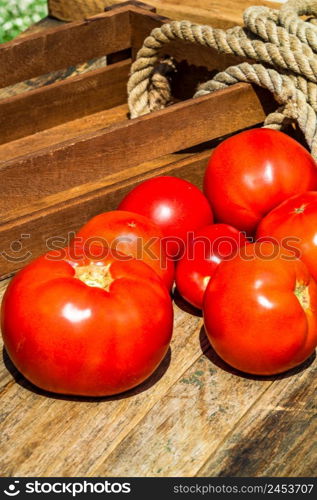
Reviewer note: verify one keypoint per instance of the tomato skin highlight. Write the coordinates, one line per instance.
(254, 171)
(253, 317)
(131, 234)
(70, 338)
(210, 246)
(294, 222)
(175, 205)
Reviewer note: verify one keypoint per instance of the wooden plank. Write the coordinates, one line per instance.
(194, 407)
(27, 231)
(64, 46)
(215, 18)
(187, 424)
(95, 155)
(129, 3)
(63, 101)
(216, 12)
(68, 131)
(277, 437)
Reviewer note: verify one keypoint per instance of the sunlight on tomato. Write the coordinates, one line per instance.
(260, 310)
(87, 327)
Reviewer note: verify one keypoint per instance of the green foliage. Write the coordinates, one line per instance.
(17, 15)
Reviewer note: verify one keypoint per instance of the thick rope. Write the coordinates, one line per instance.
(283, 46)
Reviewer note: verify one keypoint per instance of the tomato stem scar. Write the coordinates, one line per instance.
(95, 275)
(300, 210)
(302, 293)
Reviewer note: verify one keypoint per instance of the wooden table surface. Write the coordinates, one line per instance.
(194, 417)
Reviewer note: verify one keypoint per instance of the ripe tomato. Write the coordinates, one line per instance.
(294, 223)
(177, 206)
(260, 310)
(210, 246)
(84, 326)
(252, 172)
(131, 234)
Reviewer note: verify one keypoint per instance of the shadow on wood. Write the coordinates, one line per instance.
(25, 384)
(185, 306)
(211, 354)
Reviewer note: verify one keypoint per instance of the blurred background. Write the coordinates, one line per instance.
(17, 15)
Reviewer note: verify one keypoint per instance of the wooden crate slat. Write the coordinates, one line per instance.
(68, 131)
(188, 423)
(61, 214)
(218, 13)
(64, 46)
(122, 145)
(63, 101)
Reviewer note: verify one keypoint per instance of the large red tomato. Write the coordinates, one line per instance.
(131, 234)
(293, 223)
(260, 310)
(84, 326)
(176, 205)
(252, 172)
(210, 246)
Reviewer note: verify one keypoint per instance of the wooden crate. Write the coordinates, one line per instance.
(219, 13)
(69, 151)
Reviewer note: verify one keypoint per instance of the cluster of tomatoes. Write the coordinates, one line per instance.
(96, 318)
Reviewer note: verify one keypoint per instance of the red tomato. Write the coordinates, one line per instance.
(131, 234)
(177, 206)
(211, 245)
(252, 172)
(260, 310)
(294, 223)
(86, 327)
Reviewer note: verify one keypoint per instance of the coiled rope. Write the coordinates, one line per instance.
(283, 46)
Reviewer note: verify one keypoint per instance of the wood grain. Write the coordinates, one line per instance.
(187, 425)
(195, 416)
(29, 231)
(216, 12)
(48, 443)
(69, 131)
(277, 436)
(62, 102)
(67, 45)
(96, 154)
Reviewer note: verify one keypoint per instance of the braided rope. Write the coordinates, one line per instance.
(283, 46)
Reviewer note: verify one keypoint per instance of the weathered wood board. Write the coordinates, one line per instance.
(194, 417)
(221, 14)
